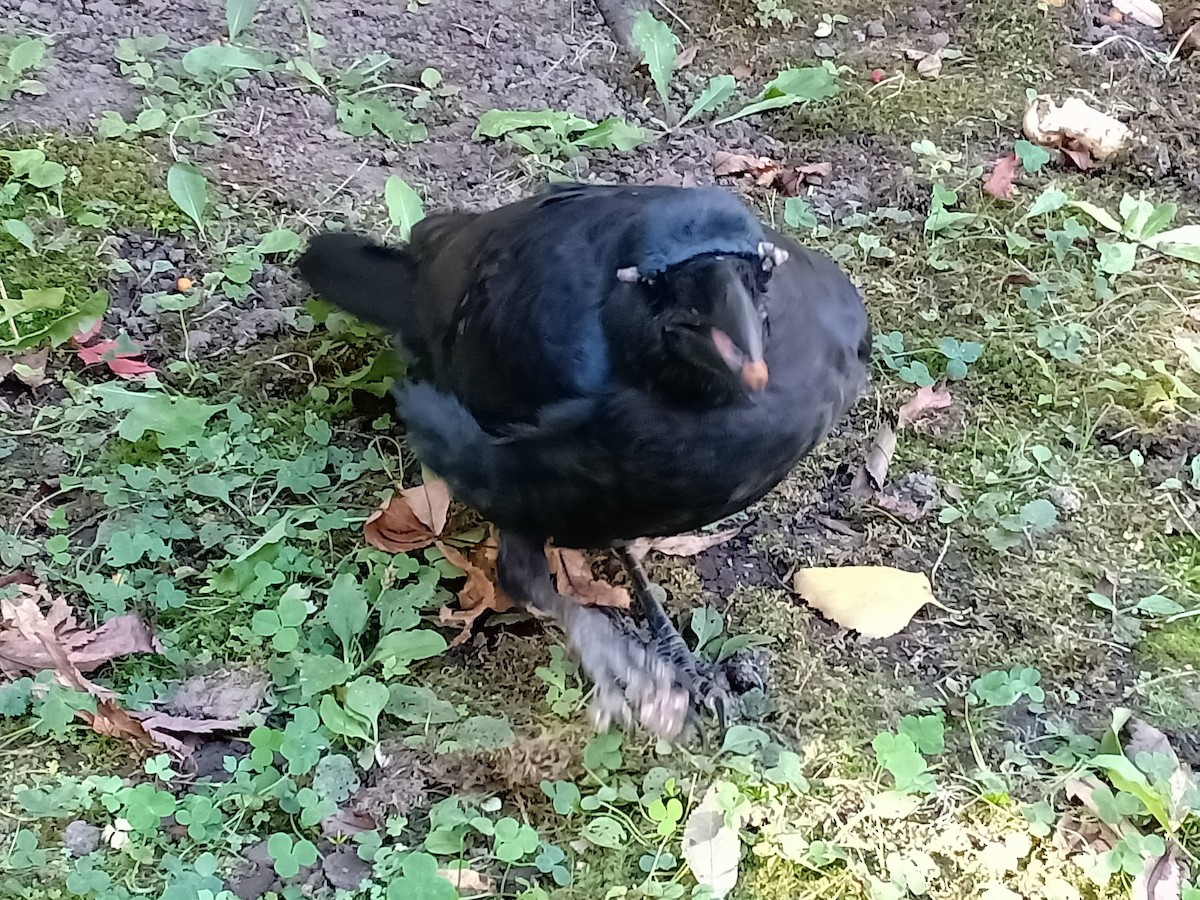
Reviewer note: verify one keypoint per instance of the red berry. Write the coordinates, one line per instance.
(877, 75)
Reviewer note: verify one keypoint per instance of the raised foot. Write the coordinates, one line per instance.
(633, 684)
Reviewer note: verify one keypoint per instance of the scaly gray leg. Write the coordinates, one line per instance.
(633, 684)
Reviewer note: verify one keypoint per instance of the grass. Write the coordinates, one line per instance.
(223, 501)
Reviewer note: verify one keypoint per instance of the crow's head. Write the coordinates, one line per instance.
(712, 313)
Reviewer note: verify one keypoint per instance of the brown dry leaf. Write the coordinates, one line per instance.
(725, 163)
(876, 601)
(346, 822)
(1161, 878)
(430, 503)
(1146, 12)
(395, 527)
(33, 641)
(924, 401)
(792, 179)
(29, 367)
(686, 57)
(574, 577)
(1000, 183)
(480, 593)
(742, 71)
(1084, 134)
(1184, 22)
(1145, 738)
(468, 881)
(872, 475)
(789, 178)
(1102, 836)
(115, 721)
(683, 544)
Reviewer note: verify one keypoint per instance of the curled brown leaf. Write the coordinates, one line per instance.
(924, 401)
(574, 578)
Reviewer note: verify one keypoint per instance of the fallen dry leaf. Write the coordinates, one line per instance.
(725, 163)
(686, 57)
(33, 641)
(1084, 134)
(115, 721)
(929, 65)
(574, 577)
(124, 363)
(1000, 183)
(683, 544)
(926, 400)
(1161, 878)
(1184, 22)
(742, 71)
(29, 367)
(876, 601)
(345, 823)
(1145, 11)
(1145, 738)
(872, 475)
(480, 593)
(468, 881)
(788, 178)
(410, 520)
(174, 732)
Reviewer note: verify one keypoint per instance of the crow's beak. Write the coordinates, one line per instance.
(738, 335)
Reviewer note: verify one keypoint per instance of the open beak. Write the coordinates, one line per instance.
(738, 336)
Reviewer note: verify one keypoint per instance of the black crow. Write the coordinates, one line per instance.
(595, 364)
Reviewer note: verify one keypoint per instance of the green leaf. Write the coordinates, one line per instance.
(404, 647)
(211, 60)
(1117, 257)
(238, 15)
(346, 611)
(927, 732)
(797, 213)
(189, 190)
(335, 778)
(897, 753)
(403, 205)
(706, 624)
(658, 45)
(20, 232)
(788, 771)
(1032, 156)
(790, 87)
(1047, 201)
(744, 740)
(281, 240)
(420, 881)
(366, 697)
(605, 831)
(26, 55)
(499, 122)
(612, 133)
(419, 705)
(340, 721)
(720, 88)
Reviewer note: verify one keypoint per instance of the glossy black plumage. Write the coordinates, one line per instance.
(564, 402)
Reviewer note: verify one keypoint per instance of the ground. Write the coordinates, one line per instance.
(273, 707)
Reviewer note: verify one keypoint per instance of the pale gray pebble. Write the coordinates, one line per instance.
(80, 838)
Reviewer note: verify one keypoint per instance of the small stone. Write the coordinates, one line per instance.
(1066, 498)
(824, 50)
(176, 255)
(345, 870)
(875, 29)
(29, 7)
(80, 838)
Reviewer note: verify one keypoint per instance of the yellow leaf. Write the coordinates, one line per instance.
(876, 601)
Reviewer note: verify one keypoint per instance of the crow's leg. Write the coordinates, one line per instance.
(705, 683)
(633, 684)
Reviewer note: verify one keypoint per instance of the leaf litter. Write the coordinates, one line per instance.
(875, 601)
(415, 518)
(34, 640)
(788, 178)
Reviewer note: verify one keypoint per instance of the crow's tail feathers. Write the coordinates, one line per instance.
(363, 278)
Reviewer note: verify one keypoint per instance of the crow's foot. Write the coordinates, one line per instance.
(633, 684)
